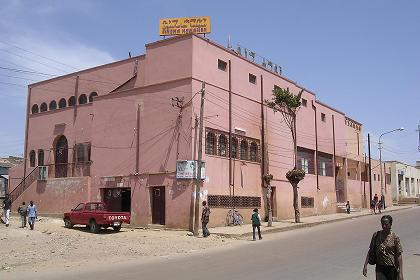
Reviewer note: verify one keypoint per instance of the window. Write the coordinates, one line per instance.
(41, 157)
(35, 109)
(79, 207)
(234, 153)
(304, 102)
(53, 105)
(307, 202)
(91, 96)
(253, 152)
(82, 99)
(72, 101)
(252, 79)
(62, 103)
(82, 152)
(374, 177)
(244, 150)
(222, 145)
(226, 201)
(44, 107)
(32, 158)
(276, 87)
(305, 158)
(325, 164)
(211, 144)
(323, 117)
(222, 65)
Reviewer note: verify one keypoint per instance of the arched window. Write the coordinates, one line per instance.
(44, 107)
(32, 158)
(244, 150)
(35, 109)
(253, 152)
(62, 103)
(92, 95)
(82, 99)
(72, 101)
(234, 146)
(40, 157)
(222, 145)
(53, 105)
(210, 143)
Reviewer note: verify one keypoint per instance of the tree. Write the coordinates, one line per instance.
(288, 104)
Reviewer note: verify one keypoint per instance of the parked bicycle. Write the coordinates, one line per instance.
(234, 218)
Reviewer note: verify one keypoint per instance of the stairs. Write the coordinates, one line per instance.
(24, 184)
(408, 200)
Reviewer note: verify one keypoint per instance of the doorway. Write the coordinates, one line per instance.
(117, 199)
(158, 205)
(61, 157)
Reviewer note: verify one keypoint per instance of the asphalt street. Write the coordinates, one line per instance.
(331, 251)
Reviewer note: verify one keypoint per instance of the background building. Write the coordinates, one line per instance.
(405, 181)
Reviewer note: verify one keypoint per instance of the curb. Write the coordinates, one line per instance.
(302, 225)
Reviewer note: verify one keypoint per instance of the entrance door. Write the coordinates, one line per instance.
(61, 157)
(158, 205)
(126, 200)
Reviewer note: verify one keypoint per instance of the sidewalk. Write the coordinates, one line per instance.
(245, 231)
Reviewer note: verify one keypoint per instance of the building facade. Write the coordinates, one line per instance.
(405, 180)
(115, 133)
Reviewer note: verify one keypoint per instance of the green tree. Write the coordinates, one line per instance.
(288, 104)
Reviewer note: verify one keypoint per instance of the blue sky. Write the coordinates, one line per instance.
(361, 57)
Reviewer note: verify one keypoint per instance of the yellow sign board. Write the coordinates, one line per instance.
(182, 26)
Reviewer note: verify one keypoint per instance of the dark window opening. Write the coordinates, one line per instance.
(304, 102)
(222, 145)
(234, 153)
(53, 105)
(72, 101)
(323, 117)
(35, 109)
(91, 96)
(253, 152)
(244, 150)
(252, 78)
(211, 144)
(222, 65)
(44, 107)
(226, 201)
(40, 157)
(307, 202)
(305, 160)
(325, 164)
(32, 158)
(81, 152)
(83, 99)
(62, 103)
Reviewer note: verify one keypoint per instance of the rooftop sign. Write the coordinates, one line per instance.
(182, 26)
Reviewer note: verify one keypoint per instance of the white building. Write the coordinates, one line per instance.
(405, 180)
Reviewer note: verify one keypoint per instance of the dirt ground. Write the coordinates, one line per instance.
(50, 244)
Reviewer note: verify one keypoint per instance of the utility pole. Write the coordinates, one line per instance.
(138, 140)
(198, 180)
(370, 172)
(418, 129)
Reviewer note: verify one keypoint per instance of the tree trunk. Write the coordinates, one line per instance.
(269, 206)
(295, 202)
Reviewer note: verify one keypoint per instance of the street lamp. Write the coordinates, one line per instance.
(380, 161)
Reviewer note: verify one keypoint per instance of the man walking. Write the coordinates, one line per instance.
(256, 223)
(205, 217)
(32, 215)
(7, 205)
(22, 210)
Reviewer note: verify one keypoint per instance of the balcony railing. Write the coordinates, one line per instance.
(72, 169)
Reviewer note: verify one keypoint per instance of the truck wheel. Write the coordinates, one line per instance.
(67, 223)
(117, 228)
(94, 228)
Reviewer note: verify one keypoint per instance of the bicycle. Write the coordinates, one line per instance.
(234, 218)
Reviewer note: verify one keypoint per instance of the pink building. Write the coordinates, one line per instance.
(114, 133)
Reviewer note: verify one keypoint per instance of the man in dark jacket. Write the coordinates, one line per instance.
(22, 212)
(205, 217)
(7, 205)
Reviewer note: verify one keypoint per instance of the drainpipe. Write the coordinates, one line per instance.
(263, 163)
(28, 102)
(316, 146)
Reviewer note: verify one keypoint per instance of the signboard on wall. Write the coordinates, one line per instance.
(182, 26)
(187, 169)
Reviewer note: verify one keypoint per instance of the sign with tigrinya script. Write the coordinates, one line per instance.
(182, 26)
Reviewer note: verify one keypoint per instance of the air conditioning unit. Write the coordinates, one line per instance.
(42, 173)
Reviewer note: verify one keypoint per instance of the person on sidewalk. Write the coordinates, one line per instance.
(205, 217)
(373, 207)
(32, 214)
(380, 206)
(348, 207)
(7, 205)
(386, 253)
(376, 199)
(256, 223)
(22, 210)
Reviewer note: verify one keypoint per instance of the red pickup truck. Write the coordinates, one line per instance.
(94, 215)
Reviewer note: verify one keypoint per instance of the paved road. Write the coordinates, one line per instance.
(331, 251)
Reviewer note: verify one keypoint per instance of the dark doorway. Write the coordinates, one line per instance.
(61, 157)
(117, 199)
(158, 205)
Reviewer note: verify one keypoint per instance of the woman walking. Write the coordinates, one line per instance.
(386, 252)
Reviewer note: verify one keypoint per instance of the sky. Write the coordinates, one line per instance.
(360, 57)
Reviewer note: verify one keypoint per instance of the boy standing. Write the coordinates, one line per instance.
(256, 223)
(205, 217)
(32, 215)
(22, 210)
(7, 205)
(348, 207)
